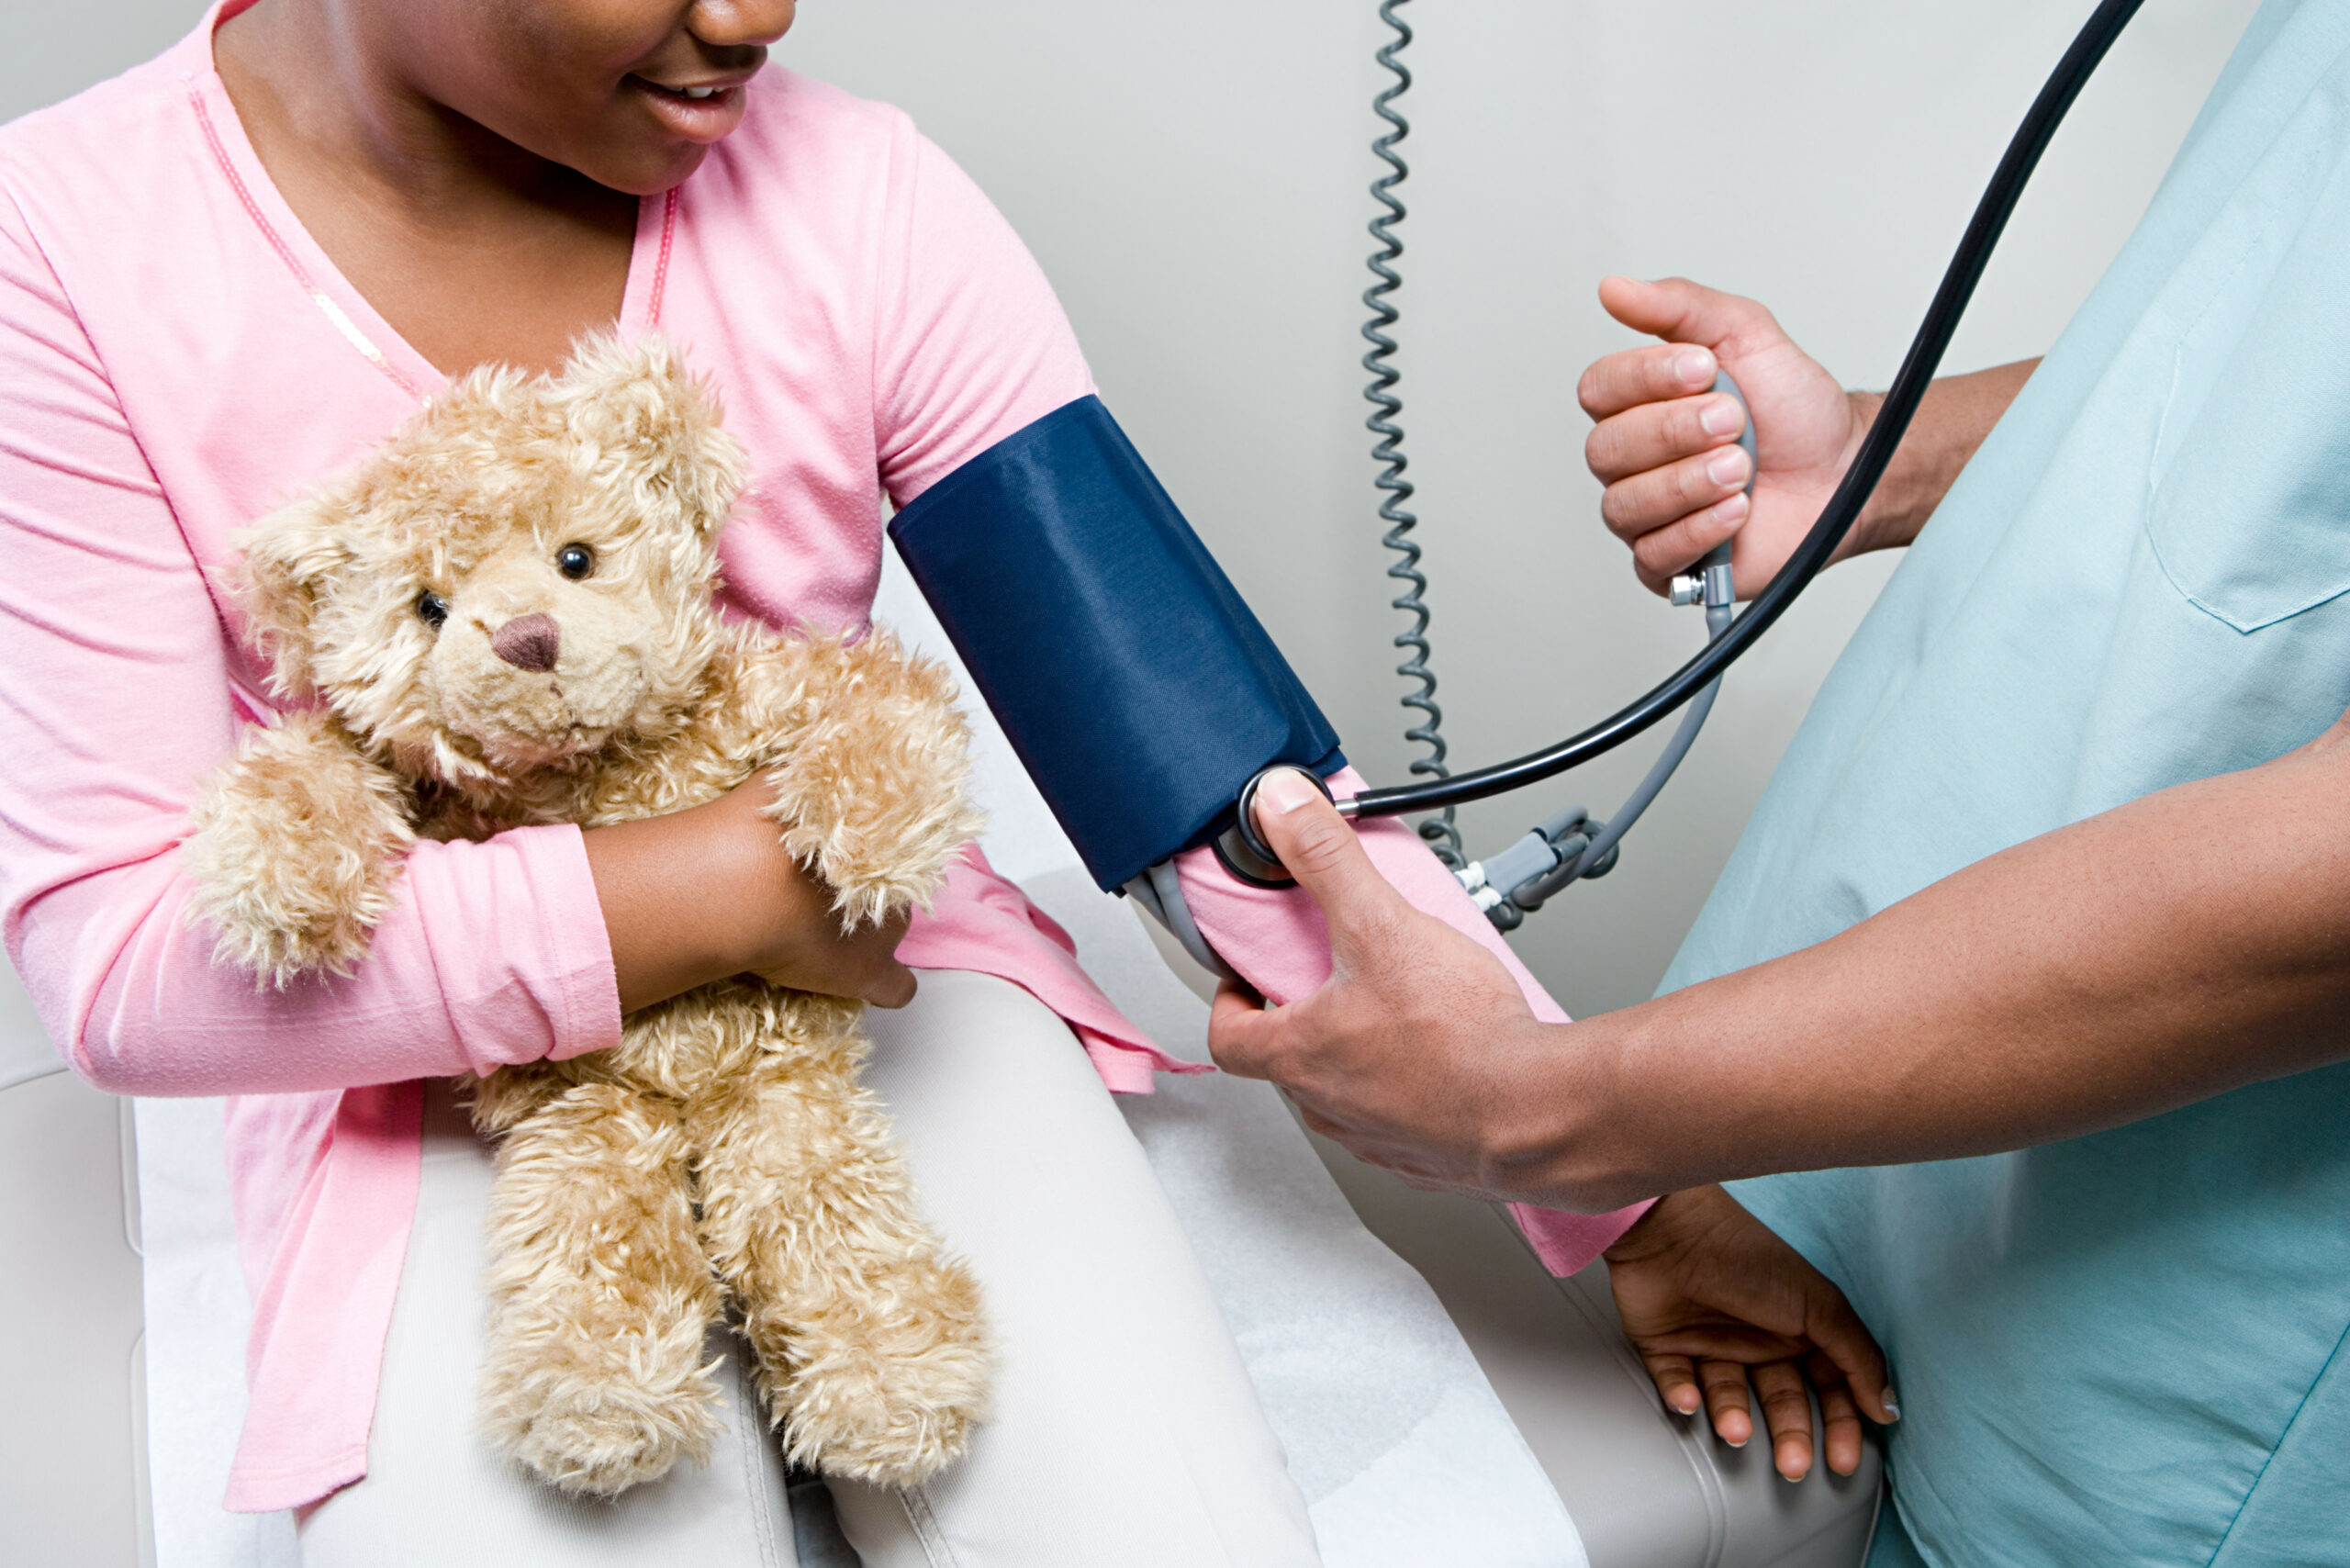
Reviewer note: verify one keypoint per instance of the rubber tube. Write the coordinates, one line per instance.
(1991, 214)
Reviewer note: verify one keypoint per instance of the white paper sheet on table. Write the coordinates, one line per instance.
(1405, 1455)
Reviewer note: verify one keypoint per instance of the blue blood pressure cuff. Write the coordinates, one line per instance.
(1138, 689)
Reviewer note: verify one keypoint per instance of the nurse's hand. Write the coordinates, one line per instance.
(1419, 1054)
(1666, 447)
(1711, 1297)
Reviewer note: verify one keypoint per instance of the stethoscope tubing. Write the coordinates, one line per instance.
(2080, 62)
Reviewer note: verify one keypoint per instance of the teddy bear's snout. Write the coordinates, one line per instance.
(529, 642)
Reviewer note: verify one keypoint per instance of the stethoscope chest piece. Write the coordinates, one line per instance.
(1241, 848)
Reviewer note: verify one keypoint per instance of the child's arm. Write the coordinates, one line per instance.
(1279, 943)
(116, 686)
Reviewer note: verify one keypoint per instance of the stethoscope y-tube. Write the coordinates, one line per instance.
(1244, 846)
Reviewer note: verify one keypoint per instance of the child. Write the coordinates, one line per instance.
(219, 284)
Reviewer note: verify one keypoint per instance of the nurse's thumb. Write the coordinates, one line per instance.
(1319, 848)
(1681, 312)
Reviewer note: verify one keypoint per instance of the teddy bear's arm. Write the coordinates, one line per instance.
(871, 787)
(297, 844)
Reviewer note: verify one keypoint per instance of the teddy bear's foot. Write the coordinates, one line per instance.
(890, 1402)
(603, 1438)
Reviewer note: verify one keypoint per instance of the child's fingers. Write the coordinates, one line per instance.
(1725, 1402)
(1840, 1419)
(1845, 1340)
(1677, 1383)
(894, 987)
(1787, 1411)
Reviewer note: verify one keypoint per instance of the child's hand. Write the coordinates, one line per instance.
(1711, 1296)
(711, 891)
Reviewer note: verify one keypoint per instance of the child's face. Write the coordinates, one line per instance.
(601, 86)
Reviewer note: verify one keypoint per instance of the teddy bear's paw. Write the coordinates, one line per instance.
(277, 954)
(278, 918)
(859, 901)
(877, 878)
(602, 1438)
(295, 848)
(893, 1404)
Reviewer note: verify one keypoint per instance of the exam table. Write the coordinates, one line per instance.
(1534, 1399)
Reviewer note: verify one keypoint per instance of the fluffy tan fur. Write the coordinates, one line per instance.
(725, 1151)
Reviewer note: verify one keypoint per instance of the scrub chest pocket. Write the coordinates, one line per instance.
(2248, 504)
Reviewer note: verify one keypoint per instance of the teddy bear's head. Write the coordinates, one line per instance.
(521, 575)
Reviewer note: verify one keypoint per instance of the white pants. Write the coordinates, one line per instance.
(1122, 1428)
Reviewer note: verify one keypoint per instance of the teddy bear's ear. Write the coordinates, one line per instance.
(639, 398)
(291, 557)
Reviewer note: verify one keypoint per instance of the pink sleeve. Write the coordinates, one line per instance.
(971, 344)
(115, 698)
(1278, 942)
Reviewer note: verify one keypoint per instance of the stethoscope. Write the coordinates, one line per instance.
(1243, 848)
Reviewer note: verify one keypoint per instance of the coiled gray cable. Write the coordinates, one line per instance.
(1440, 831)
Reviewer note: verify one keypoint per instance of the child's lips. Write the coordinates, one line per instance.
(699, 112)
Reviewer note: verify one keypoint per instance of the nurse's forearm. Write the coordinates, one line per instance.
(1955, 415)
(2190, 943)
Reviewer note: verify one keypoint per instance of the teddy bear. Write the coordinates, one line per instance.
(505, 615)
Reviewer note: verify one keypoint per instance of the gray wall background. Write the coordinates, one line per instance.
(1193, 177)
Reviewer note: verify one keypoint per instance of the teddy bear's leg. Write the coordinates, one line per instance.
(599, 1294)
(872, 1349)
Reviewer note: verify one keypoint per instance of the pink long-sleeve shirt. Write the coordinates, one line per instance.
(177, 356)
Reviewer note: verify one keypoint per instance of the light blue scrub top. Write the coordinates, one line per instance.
(2126, 1348)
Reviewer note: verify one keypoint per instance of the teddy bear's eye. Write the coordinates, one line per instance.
(575, 561)
(431, 609)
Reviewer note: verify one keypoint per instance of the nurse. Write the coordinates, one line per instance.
(2030, 978)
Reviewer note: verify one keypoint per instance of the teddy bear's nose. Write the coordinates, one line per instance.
(529, 642)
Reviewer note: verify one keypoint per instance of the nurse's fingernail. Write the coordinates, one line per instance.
(1728, 466)
(1892, 1405)
(1285, 789)
(1721, 417)
(1731, 512)
(1693, 367)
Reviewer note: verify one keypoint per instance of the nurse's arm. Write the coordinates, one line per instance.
(2192, 941)
(2188, 943)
